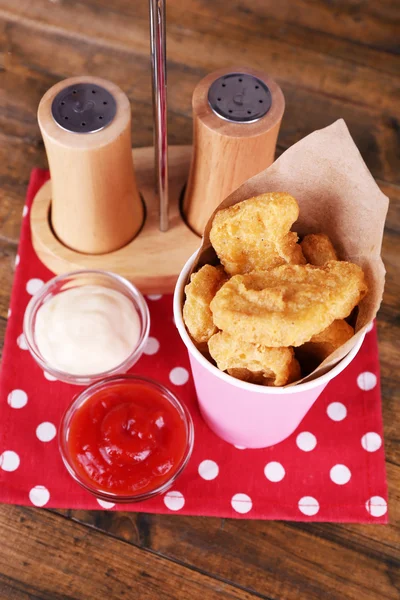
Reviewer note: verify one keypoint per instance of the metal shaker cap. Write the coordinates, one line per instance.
(239, 98)
(84, 108)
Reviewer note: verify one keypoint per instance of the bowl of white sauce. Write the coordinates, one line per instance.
(87, 325)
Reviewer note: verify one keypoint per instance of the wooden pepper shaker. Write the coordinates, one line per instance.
(86, 127)
(236, 119)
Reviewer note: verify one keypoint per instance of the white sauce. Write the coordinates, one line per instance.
(87, 330)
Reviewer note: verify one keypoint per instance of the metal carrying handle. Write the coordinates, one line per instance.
(159, 74)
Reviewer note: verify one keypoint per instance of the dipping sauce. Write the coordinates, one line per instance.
(129, 436)
(87, 330)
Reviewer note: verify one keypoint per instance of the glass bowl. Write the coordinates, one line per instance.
(58, 285)
(108, 384)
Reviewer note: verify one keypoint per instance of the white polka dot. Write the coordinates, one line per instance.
(174, 500)
(306, 441)
(17, 398)
(46, 431)
(376, 506)
(240, 447)
(21, 341)
(9, 460)
(208, 469)
(179, 376)
(34, 286)
(9, 313)
(39, 495)
(105, 504)
(370, 327)
(371, 441)
(274, 471)
(154, 296)
(308, 506)
(152, 346)
(366, 381)
(340, 474)
(49, 376)
(25, 211)
(241, 503)
(17, 259)
(336, 411)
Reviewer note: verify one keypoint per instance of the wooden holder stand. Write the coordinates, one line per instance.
(154, 259)
(226, 154)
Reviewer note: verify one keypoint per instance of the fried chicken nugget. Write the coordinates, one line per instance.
(323, 344)
(318, 249)
(294, 374)
(248, 376)
(254, 235)
(254, 363)
(287, 305)
(199, 292)
(294, 371)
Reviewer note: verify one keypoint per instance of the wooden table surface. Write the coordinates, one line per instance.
(332, 59)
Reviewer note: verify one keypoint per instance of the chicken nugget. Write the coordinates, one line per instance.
(199, 292)
(287, 305)
(294, 371)
(318, 249)
(322, 344)
(248, 376)
(259, 378)
(255, 235)
(251, 362)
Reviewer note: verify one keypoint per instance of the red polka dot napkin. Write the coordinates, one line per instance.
(331, 469)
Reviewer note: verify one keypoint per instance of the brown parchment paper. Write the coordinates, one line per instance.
(337, 195)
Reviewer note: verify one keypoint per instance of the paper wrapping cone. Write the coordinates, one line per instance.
(337, 195)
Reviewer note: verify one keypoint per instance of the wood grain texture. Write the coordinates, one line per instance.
(77, 562)
(331, 59)
(187, 32)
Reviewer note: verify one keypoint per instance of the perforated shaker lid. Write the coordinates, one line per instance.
(84, 108)
(239, 98)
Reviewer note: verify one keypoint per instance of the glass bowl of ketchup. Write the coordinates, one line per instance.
(126, 439)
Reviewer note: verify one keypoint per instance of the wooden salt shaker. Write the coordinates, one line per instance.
(86, 127)
(236, 119)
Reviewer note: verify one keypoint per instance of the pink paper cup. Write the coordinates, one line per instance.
(241, 413)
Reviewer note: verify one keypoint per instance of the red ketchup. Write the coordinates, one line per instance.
(127, 438)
